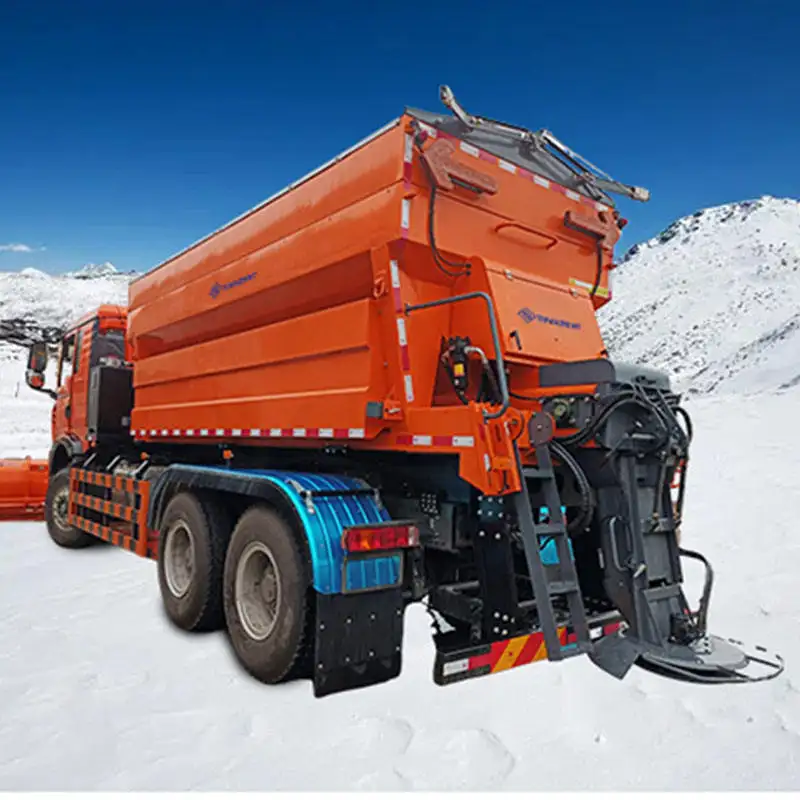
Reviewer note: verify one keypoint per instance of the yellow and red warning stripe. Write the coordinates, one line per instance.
(525, 649)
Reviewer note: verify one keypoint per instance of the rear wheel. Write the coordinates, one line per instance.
(56, 511)
(266, 594)
(195, 531)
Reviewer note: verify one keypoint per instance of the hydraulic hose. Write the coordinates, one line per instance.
(584, 487)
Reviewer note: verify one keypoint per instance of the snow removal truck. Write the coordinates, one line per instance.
(384, 385)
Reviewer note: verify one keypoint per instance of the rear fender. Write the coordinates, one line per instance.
(321, 519)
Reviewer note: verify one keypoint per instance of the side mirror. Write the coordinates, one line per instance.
(37, 357)
(37, 363)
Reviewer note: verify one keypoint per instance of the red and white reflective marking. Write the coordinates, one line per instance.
(539, 180)
(407, 439)
(405, 217)
(402, 337)
(408, 158)
(253, 433)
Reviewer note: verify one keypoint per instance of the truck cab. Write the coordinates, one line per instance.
(91, 362)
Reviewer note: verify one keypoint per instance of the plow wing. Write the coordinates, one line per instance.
(23, 488)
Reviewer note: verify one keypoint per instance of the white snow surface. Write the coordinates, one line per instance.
(99, 692)
(714, 299)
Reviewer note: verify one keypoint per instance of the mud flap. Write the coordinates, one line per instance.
(358, 640)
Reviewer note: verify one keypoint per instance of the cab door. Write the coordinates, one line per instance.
(79, 389)
(67, 362)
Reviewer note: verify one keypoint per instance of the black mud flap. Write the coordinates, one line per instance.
(358, 640)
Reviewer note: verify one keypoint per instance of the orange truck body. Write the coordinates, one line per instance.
(287, 326)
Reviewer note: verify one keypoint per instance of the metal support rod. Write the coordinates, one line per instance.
(501, 370)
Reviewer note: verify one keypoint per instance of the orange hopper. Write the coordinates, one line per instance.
(23, 486)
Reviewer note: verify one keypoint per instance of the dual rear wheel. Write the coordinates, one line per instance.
(251, 577)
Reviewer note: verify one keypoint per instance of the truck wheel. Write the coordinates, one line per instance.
(266, 591)
(56, 509)
(191, 557)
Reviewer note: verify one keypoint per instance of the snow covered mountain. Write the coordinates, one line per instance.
(34, 304)
(714, 299)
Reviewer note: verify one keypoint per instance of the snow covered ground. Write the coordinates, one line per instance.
(24, 413)
(97, 691)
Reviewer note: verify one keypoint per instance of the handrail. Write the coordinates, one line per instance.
(459, 298)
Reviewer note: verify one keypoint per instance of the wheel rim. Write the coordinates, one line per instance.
(257, 591)
(61, 508)
(179, 559)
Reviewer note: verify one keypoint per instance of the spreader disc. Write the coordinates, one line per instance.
(709, 660)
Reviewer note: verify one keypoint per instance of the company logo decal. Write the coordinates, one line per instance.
(529, 316)
(218, 288)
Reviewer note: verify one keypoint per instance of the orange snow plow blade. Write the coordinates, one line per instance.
(23, 486)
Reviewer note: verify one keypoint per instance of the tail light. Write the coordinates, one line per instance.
(384, 536)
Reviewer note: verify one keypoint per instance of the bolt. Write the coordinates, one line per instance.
(497, 536)
(505, 632)
(495, 630)
(322, 626)
(497, 615)
(371, 653)
(481, 533)
(320, 665)
(397, 649)
(347, 659)
(349, 620)
(505, 617)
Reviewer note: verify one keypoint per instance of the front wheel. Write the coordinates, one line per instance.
(266, 593)
(56, 510)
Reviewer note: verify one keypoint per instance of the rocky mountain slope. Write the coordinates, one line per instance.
(714, 299)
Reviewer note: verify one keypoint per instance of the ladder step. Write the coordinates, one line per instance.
(536, 472)
(562, 587)
(576, 649)
(550, 529)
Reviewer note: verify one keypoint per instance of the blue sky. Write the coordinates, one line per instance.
(130, 129)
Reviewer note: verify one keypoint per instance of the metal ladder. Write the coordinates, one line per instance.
(567, 583)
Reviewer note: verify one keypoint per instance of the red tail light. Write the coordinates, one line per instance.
(386, 536)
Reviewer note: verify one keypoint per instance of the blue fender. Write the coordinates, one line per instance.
(322, 518)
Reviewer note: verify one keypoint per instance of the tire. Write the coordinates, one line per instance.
(55, 515)
(191, 559)
(273, 647)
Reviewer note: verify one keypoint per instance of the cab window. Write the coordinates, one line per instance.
(68, 360)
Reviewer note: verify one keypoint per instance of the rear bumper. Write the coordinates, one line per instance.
(452, 666)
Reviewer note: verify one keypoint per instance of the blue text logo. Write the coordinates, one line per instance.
(529, 316)
(218, 288)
